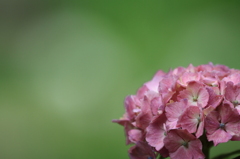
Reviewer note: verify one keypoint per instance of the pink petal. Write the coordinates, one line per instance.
(180, 153)
(142, 91)
(157, 105)
(208, 110)
(178, 71)
(190, 119)
(175, 110)
(164, 152)
(211, 122)
(173, 141)
(219, 136)
(143, 119)
(207, 67)
(238, 109)
(141, 151)
(135, 135)
(238, 97)
(195, 149)
(228, 114)
(194, 87)
(154, 83)
(156, 132)
(187, 77)
(210, 81)
(150, 95)
(222, 87)
(203, 97)
(235, 78)
(230, 92)
(235, 138)
(185, 135)
(221, 71)
(131, 102)
(167, 87)
(200, 128)
(214, 99)
(129, 106)
(190, 68)
(233, 128)
(145, 116)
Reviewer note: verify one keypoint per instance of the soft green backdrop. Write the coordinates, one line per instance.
(66, 67)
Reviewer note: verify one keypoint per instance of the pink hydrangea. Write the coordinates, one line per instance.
(222, 124)
(182, 112)
(181, 144)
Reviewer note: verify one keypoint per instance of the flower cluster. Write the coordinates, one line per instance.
(171, 114)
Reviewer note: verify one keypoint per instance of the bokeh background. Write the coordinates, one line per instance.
(66, 67)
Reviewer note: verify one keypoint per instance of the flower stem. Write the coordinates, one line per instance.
(206, 146)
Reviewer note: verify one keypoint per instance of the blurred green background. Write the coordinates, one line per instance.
(66, 67)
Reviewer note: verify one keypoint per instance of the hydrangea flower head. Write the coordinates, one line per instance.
(182, 112)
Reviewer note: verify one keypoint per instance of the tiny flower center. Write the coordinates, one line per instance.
(165, 134)
(198, 119)
(222, 125)
(235, 102)
(185, 144)
(195, 99)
